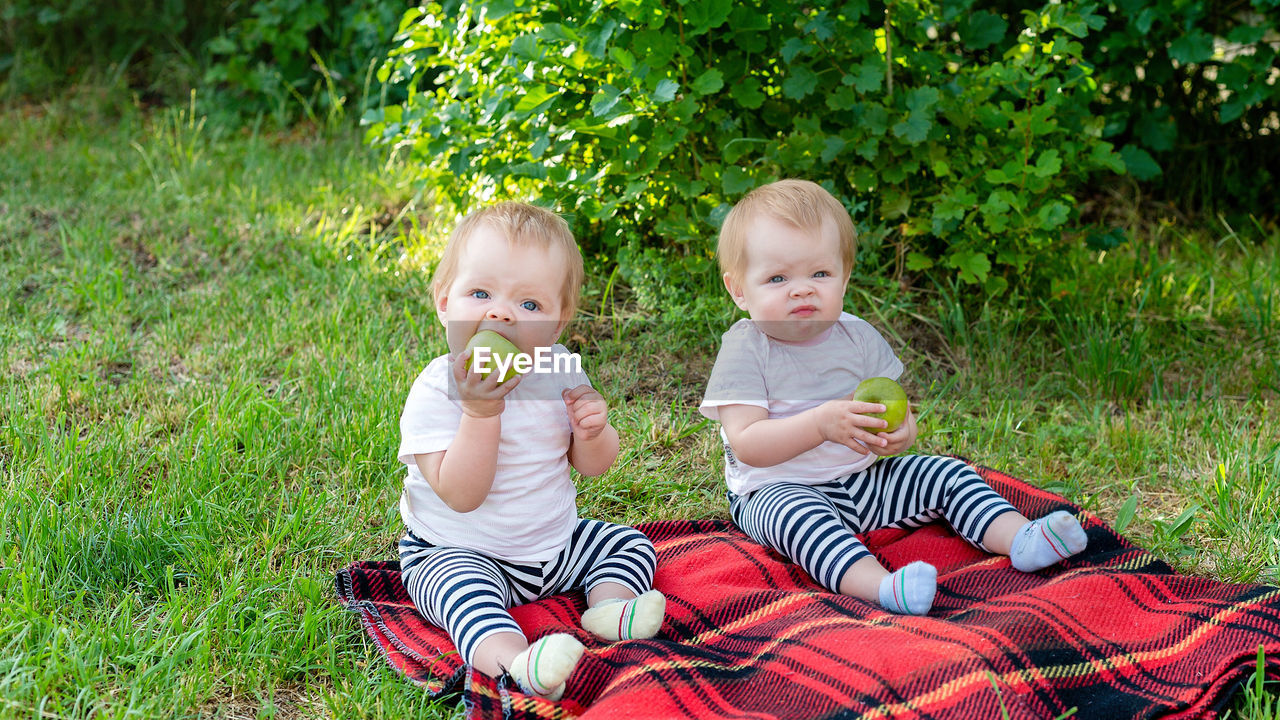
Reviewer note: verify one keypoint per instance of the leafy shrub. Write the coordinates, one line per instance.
(151, 44)
(1191, 98)
(279, 56)
(953, 136)
(317, 51)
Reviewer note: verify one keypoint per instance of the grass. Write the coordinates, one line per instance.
(207, 336)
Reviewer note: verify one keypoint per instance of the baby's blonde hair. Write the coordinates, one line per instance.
(521, 224)
(801, 203)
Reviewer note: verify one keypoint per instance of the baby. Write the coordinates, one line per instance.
(806, 465)
(488, 501)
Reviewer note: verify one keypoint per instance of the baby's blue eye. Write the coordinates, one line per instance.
(777, 279)
(822, 273)
(529, 305)
(480, 294)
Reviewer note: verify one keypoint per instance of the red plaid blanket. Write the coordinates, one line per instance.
(1112, 633)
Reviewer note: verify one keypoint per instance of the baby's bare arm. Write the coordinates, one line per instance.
(760, 441)
(594, 444)
(462, 476)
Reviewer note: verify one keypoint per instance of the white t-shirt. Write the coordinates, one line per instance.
(531, 512)
(786, 379)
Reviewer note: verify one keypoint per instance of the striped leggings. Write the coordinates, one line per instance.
(467, 593)
(814, 525)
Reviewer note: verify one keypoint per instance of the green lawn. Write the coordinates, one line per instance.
(208, 336)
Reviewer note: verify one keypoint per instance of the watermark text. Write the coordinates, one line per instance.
(542, 361)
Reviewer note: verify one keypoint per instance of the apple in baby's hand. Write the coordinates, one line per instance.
(888, 393)
(501, 353)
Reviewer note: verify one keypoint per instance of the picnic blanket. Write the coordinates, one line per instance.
(1112, 633)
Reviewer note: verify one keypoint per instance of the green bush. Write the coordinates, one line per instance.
(284, 57)
(153, 45)
(318, 52)
(1191, 98)
(954, 136)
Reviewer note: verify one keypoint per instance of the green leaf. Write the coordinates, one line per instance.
(1247, 34)
(800, 83)
(1126, 513)
(791, 48)
(747, 93)
(558, 33)
(666, 91)
(996, 176)
(867, 77)
(536, 99)
(706, 15)
(1048, 164)
(1143, 22)
(1194, 47)
(494, 11)
(1103, 155)
(918, 261)
(914, 129)
(1139, 163)
(605, 100)
(599, 40)
(875, 119)
(747, 18)
(1231, 110)
(822, 26)
(1184, 522)
(894, 204)
(526, 47)
(843, 98)
(708, 82)
(736, 181)
(540, 146)
(973, 266)
(998, 202)
(1053, 214)
(623, 57)
(920, 100)
(982, 29)
(831, 147)
(864, 178)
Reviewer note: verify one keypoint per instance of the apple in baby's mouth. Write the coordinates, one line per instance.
(496, 347)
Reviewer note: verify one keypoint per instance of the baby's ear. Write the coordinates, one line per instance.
(442, 302)
(564, 323)
(735, 291)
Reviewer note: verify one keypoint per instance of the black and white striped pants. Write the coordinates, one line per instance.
(814, 525)
(467, 593)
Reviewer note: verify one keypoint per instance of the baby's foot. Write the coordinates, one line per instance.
(1049, 540)
(618, 619)
(910, 590)
(542, 668)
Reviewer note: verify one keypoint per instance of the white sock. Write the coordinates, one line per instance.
(910, 590)
(618, 619)
(542, 668)
(1049, 540)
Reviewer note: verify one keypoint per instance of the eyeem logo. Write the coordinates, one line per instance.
(543, 360)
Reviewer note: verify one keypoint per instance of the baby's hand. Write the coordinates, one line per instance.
(898, 441)
(588, 412)
(481, 396)
(847, 422)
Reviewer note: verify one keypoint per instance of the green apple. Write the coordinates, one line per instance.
(501, 353)
(888, 393)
